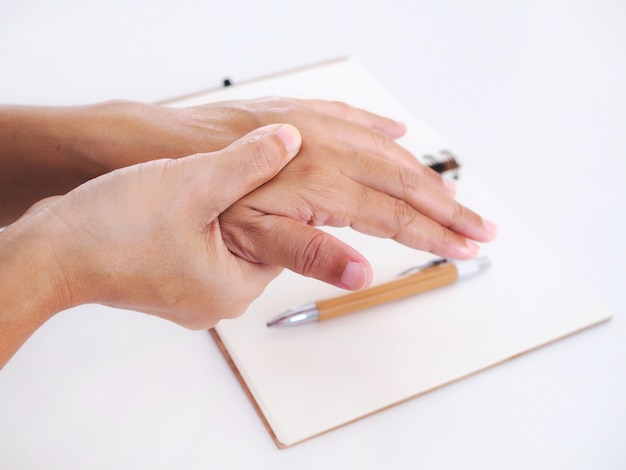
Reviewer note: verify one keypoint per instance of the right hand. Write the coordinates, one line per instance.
(148, 238)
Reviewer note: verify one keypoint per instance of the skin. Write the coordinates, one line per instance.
(51, 150)
(350, 172)
(126, 179)
(146, 237)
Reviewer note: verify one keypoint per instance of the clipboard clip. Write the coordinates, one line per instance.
(447, 163)
(423, 267)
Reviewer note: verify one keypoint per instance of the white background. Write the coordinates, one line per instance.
(534, 96)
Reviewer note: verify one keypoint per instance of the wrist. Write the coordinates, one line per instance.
(116, 134)
(32, 286)
(101, 132)
(40, 156)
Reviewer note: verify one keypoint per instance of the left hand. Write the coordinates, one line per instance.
(51, 150)
(349, 188)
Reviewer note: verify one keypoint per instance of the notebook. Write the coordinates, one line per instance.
(309, 379)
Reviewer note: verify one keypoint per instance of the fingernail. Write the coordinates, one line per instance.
(264, 130)
(354, 277)
(491, 228)
(290, 137)
(470, 250)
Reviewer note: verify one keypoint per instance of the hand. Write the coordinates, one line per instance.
(51, 150)
(350, 172)
(121, 133)
(349, 187)
(148, 237)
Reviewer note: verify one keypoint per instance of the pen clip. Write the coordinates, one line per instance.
(422, 267)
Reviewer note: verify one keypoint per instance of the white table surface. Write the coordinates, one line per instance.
(534, 96)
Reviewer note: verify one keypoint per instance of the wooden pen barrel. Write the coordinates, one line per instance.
(406, 286)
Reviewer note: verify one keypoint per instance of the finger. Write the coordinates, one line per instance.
(373, 134)
(370, 212)
(397, 220)
(360, 117)
(369, 144)
(418, 192)
(276, 240)
(226, 176)
(360, 140)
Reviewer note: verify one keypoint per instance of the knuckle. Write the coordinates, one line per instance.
(383, 144)
(404, 216)
(459, 213)
(410, 182)
(342, 108)
(282, 108)
(312, 257)
(242, 230)
(291, 103)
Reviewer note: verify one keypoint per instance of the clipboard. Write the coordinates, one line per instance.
(311, 379)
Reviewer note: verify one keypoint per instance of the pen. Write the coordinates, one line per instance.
(434, 274)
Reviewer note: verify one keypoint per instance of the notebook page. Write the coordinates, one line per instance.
(312, 378)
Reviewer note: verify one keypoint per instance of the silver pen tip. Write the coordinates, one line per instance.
(295, 316)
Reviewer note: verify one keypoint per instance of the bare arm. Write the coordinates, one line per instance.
(146, 238)
(46, 151)
(350, 172)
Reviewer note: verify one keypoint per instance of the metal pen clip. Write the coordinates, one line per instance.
(422, 267)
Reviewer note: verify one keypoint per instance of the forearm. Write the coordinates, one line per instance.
(30, 291)
(47, 151)
(41, 155)
(107, 241)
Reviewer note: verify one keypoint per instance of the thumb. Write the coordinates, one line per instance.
(245, 165)
(299, 247)
(311, 252)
